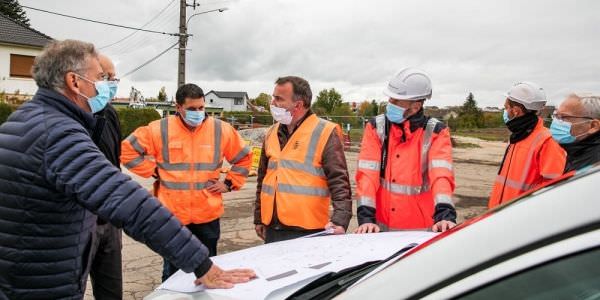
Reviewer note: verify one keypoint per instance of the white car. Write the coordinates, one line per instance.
(545, 245)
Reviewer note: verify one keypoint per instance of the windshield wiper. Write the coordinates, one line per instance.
(333, 284)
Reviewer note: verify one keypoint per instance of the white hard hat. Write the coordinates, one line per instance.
(409, 84)
(529, 94)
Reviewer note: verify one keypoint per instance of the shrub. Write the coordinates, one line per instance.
(132, 118)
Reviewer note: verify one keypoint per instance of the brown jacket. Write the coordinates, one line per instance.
(336, 171)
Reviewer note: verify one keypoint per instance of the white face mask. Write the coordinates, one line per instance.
(281, 115)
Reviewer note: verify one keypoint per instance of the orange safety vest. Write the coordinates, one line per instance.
(295, 176)
(186, 161)
(417, 177)
(528, 164)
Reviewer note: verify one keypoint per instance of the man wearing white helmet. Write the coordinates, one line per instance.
(404, 176)
(532, 157)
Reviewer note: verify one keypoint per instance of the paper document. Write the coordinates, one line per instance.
(284, 264)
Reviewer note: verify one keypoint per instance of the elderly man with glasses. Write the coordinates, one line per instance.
(576, 127)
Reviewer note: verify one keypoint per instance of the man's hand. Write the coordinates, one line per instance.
(336, 229)
(442, 226)
(367, 228)
(217, 187)
(261, 231)
(216, 278)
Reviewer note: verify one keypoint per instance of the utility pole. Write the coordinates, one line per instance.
(182, 43)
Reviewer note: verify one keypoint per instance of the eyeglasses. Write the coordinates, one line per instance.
(561, 117)
(106, 77)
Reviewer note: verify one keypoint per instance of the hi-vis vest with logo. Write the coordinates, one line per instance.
(186, 163)
(528, 164)
(295, 176)
(404, 196)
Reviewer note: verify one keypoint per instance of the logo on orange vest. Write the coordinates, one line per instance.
(296, 145)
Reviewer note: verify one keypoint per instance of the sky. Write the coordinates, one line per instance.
(354, 46)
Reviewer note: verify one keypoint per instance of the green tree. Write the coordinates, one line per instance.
(342, 114)
(162, 94)
(327, 101)
(263, 100)
(374, 108)
(365, 109)
(13, 10)
(470, 116)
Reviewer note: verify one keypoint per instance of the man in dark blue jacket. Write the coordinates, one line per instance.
(53, 180)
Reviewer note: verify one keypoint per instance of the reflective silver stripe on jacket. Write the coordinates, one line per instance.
(440, 163)
(240, 155)
(366, 201)
(168, 166)
(135, 144)
(518, 185)
(302, 190)
(443, 198)
(135, 162)
(400, 189)
(306, 166)
(240, 170)
(183, 186)
(267, 189)
(371, 165)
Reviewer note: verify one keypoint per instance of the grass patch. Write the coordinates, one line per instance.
(465, 145)
(486, 134)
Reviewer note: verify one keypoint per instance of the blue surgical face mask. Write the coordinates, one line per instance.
(394, 113)
(113, 86)
(561, 131)
(505, 116)
(98, 102)
(194, 117)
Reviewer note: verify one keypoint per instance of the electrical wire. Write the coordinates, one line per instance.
(100, 22)
(150, 60)
(147, 23)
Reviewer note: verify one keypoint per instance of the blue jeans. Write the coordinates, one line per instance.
(207, 233)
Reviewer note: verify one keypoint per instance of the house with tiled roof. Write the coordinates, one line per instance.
(19, 45)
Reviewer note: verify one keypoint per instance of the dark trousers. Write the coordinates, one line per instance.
(105, 270)
(277, 234)
(207, 233)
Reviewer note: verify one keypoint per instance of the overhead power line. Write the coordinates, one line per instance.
(151, 60)
(101, 22)
(146, 24)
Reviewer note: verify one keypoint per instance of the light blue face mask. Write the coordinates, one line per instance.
(194, 117)
(113, 86)
(561, 131)
(505, 117)
(98, 102)
(394, 113)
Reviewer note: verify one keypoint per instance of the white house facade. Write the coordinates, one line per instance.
(19, 45)
(228, 101)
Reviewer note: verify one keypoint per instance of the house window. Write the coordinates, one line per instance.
(238, 101)
(20, 65)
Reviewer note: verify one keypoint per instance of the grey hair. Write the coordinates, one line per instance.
(591, 104)
(58, 58)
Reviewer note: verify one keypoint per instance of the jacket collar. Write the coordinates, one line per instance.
(64, 105)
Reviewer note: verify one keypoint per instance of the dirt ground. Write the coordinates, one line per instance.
(475, 171)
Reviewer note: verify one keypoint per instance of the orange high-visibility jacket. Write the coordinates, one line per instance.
(527, 164)
(186, 160)
(295, 176)
(417, 178)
